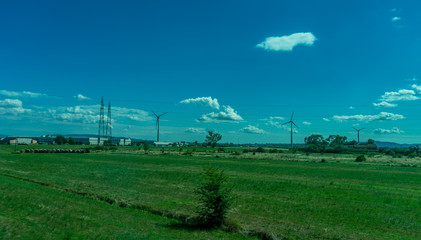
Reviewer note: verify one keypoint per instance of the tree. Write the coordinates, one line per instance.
(370, 141)
(352, 142)
(336, 140)
(214, 198)
(315, 139)
(145, 147)
(212, 138)
(60, 140)
(71, 141)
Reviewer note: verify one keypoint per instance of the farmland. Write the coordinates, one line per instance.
(127, 194)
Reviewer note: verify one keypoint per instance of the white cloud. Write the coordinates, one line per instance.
(287, 42)
(394, 130)
(351, 107)
(11, 103)
(326, 119)
(203, 101)
(287, 128)
(417, 88)
(395, 19)
(12, 107)
(306, 123)
(384, 104)
(228, 115)
(90, 114)
(274, 121)
(383, 116)
(22, 94)
(81, 97)
(276, 118)
(401, 95)
(195, 130)
(281, 125)
(252, 130)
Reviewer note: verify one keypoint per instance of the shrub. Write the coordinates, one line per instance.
(145, 147)
(236, 153)
(214, 198)
(412, 155)
(188, 152)
(360, 158)
(221, 149)
(245, 151)
(260, 150)
(273, 150)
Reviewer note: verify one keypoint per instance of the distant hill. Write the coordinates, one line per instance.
(393, 144)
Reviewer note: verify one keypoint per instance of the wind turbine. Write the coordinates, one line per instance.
(358, 131)
(291, 122)
(157, 123)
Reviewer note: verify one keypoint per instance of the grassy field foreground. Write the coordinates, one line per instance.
(337, 199)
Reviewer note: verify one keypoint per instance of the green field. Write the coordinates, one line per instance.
(126, 194)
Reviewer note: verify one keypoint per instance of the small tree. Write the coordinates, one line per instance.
(360, 158)
(60, 140)
(145, 147)
(213, 138)
(214, 198)
(71, 141)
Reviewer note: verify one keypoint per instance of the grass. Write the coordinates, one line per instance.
(289, 196)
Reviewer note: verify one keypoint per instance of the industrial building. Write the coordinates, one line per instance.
(20, 140)
(50, 139)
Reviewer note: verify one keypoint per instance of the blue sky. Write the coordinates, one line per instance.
(237, 67)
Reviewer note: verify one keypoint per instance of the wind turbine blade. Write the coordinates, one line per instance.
(361, 129)
(154, 113)
(355, 129)
(292, 115)
(156, 123)
(163, 114)
(286, 123)
(294, 124)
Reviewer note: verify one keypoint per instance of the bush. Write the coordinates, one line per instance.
(188, 152)
(214, 198)
(145, 147)
(221, 149)
(245, 151)
(360, 158)
(273, 150)
(260, 150)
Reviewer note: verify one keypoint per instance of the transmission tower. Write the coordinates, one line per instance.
(109, 127)
(101, 126)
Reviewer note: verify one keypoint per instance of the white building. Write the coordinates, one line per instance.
(163, 144)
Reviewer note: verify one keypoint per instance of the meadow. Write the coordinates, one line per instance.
(127, 194)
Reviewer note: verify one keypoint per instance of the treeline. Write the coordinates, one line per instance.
(412, 151)
(316, 143)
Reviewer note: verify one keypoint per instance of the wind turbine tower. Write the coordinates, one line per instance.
(358, 133)
(292, 123)
(157, 123)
